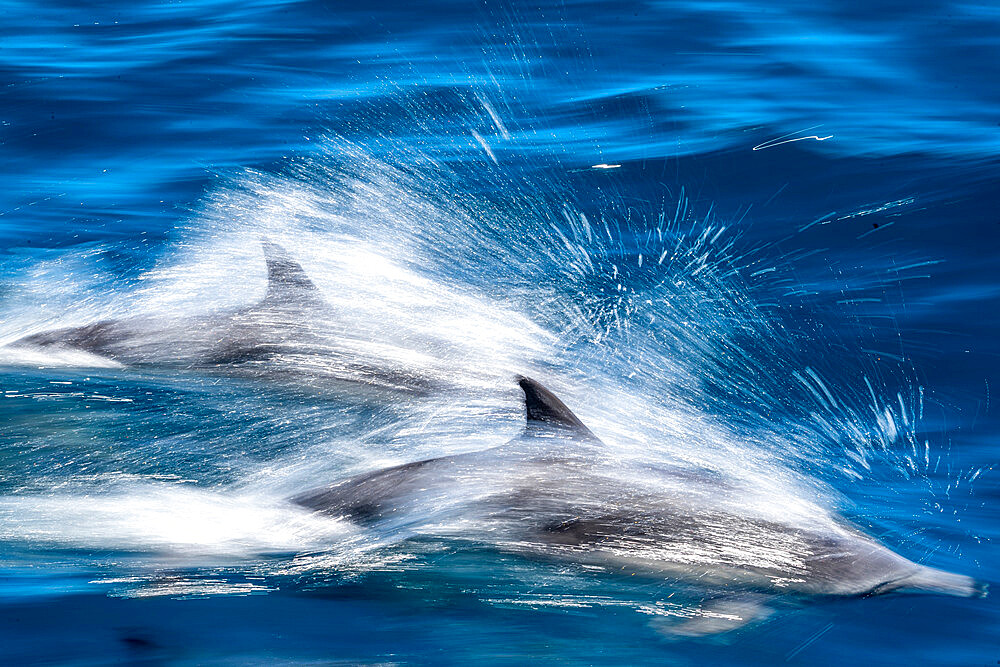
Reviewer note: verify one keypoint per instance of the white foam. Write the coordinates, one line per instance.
(167, 518)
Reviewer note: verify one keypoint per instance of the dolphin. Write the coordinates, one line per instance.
(556, 491)
(292, 332)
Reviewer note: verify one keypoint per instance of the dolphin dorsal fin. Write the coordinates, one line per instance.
(544, 410)
(286, 279)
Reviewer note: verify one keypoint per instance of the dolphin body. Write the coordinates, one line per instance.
(292, 332)
(555, 492)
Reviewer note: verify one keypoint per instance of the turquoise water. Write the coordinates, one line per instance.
(752, 239)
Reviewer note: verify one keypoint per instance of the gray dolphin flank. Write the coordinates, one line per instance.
(554, 491)
(292, 334)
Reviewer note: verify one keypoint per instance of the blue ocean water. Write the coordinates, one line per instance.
(778, 221)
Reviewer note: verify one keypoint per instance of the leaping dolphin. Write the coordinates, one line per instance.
(291, 332)
(556, 491)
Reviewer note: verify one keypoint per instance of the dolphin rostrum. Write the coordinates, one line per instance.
(292, 332)
(555, 491)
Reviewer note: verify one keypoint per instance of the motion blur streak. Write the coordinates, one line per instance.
(568, 192)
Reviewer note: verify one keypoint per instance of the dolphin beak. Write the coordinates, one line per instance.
(930, 580)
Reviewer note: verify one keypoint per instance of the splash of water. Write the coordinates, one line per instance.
(655, 326)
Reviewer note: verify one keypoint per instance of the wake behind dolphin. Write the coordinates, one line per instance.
(556, 491)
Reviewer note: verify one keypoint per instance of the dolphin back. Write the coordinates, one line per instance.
(151, 339)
